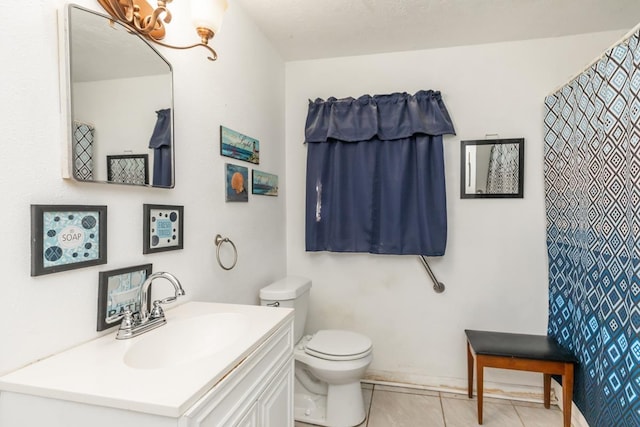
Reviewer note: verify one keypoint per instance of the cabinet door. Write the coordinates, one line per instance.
(250, 419)
(276, 403)
(257, 393)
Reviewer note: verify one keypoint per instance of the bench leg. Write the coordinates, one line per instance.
(547, 391)
(480, 379)
(567, 393)
(469, 371)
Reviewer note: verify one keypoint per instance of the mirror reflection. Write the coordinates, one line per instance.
(492, 168)
(121, 101)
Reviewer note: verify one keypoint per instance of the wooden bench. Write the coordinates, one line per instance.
(537, 353)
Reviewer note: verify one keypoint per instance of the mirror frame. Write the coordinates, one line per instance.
(464, 171)
(65, 75)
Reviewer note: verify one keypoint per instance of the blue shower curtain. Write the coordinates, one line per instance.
(375, 174)
(504, 169)
(592, 190)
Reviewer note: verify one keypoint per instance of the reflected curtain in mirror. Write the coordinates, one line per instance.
(492, 168)
(161, 144)
(502, 177)
(375, 174)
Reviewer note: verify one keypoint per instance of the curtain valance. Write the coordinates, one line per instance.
(387, 117)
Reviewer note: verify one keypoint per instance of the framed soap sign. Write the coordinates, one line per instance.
(66, 237)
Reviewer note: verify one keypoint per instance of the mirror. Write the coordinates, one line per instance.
(492, 168)
(119, 104)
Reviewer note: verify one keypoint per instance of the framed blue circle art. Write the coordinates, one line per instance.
(163, 228)
(65, 237)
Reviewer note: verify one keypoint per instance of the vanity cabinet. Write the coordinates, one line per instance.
(272, 408)
(259, 392)
(256, 391)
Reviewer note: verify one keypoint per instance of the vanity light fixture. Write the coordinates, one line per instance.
(141, 17)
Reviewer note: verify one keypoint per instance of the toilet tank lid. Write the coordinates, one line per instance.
(287, 288)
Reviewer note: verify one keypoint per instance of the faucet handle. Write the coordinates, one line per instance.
(126, 328)
(127, 320)
(126, 315)
(157, 311)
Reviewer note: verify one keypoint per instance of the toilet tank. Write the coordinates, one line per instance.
(292, 292)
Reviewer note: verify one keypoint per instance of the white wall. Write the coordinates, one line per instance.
(243, 90)
(495, 267)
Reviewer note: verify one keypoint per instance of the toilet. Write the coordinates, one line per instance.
(329, 364)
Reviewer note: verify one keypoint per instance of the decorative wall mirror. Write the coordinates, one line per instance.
(492, 168)
(119, 120)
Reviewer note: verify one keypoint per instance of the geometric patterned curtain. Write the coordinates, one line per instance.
(502, 177)
(82, 151)
(592, 195)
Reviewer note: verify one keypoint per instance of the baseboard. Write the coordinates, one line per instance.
(497, 390)
(519, 392)
(577, 419)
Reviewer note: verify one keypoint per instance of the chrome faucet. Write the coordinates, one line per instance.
(134, 324)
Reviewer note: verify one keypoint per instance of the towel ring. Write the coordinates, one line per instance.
(219, 241)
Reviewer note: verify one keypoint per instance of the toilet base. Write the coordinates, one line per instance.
(311, 408)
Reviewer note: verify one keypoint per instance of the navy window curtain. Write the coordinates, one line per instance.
(161, 143)
(375, 174)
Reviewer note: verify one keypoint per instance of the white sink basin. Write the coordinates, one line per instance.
(186, 340)
(167, 370)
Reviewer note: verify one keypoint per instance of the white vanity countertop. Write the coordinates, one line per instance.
(95, 372)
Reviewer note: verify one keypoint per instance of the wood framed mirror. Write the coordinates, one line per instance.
(492, 168)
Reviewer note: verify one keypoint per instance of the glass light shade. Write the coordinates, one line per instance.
(208, 13)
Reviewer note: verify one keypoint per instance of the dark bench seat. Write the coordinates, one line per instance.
(537, 353)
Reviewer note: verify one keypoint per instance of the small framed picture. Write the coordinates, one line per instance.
(66, 237)
(128, 169)
(236, 179)
(120, 290)
(263, 183)
(238, 146)
(163, 228)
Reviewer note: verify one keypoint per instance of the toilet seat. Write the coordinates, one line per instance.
(333, 344)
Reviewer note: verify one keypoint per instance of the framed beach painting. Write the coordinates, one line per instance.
(263, 183)
(236, 181)
(66, 237)
(238, 146)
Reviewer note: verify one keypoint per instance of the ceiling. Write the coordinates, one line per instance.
(102, 50)
(312, 29)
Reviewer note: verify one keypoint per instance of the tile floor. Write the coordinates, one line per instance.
(406, 407)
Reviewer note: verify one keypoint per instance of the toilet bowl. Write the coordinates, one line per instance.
(328, 378)
(329, 364)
